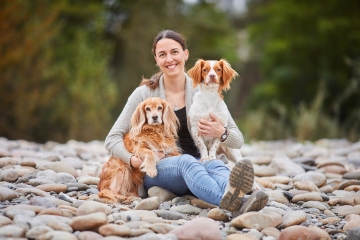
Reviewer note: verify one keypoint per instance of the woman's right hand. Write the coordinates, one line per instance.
(135, 161)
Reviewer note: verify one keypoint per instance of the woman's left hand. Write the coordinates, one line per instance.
(211, 129)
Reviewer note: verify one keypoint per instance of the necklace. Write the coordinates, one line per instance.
(176, 107)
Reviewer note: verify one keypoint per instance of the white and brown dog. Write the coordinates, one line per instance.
(212, 77)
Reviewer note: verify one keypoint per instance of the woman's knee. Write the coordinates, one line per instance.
(186, 159)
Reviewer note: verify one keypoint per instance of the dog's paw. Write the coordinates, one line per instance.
(204, 159)
(151, 172)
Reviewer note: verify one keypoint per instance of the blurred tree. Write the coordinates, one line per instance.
(303, 43)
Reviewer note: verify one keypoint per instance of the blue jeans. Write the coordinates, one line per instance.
(206, 180)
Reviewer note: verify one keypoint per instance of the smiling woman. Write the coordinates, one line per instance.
(208, 180)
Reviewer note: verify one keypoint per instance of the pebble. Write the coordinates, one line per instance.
(114, 229)
(321, 191)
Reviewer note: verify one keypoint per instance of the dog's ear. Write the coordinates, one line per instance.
(196, 72)
(170, 120)
(228, 74)
(138, 119)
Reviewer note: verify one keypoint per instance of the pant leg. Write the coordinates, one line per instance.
(180, 173)
(218, 171)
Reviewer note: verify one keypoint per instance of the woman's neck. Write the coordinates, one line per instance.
(175, 84)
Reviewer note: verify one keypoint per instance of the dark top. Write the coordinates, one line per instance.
(186, 141)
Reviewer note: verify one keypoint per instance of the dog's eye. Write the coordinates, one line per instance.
(204, 70)
(147, 109)
(219, 70)
(159, 108)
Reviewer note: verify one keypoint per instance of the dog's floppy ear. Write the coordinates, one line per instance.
(196, 72)
(138, 119)
(228, 74)
(170, 120)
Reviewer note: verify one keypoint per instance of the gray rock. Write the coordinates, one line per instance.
(27, 222)
(80, 186)
(318, 178)
(66, 178)
(6, 161)
(163, 194)
(49, 175)
(351, 175)
(37, 231)
(315, 204)
(74, 162)
(13, 212)
(57, 201)
(40, 181)
(58, 167)
(186, 209)
(148, 204)
(304, 160)
(41, 201)
(7, 194)
(283, 165)
(354, 234)
(27, 177)
(170, 215)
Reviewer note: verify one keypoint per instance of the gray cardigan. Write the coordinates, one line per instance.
(114, 142)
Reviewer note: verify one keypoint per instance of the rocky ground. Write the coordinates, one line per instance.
(49, 191)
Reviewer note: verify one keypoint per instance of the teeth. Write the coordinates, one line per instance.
(171, 66)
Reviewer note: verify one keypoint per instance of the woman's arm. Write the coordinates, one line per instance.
(114, 141)
(235, 138)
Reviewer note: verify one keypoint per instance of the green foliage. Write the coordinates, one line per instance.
(303, 43)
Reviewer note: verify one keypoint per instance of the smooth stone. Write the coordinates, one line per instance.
(304, 160)
(330, 220)
(139, 232)
(74, 162)
(49, 175)
(12, 213)
(312, 196)
(40, 181)
(273, 209)
(170, 215)
(327, 189)
(163, 194)
(260, 159)
(26, 222)
(152, 219)
(49, 218)
(6, 194)
(126, 216)
(335, 169)
(35, 191)
(12, 231)
(323, 234)
(350, 199)
(9, 175)
(280, 205)
(66, 178)
(351, 175)
(253, 220)
(354, 234)
(277, 179)
(38, 231)
(93, 207)
(201, 204)
(88, 235)
(340, 193)
(79, 186)
(114, 229)
(36, 209)
(306, 185)
(6, 161)
(315, 204)
(218, 215)
(198, 228)
(51, 211)
(346, 210)
(57, 225)
(263, 171)
(329, 163)
(89, 222)
(299, 233)
(348, 183)
(265, 183)
(41, 201)
(293, 218)
(151, 203)
(4, 221)
(53, 187)
(318, 178)
(329, 213)
(271, 231)
(278, 196)
(58, 167)
(162, 228)
(240, 236)
(142, 213)
(186, 209)
(353, 221)
(284, 166)
(57, 201)
(89, 180)
(352, 188)
(57, 235)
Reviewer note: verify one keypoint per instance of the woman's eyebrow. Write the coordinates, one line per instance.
(170, 50)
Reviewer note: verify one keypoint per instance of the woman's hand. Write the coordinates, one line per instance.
(135, 161)
(211, 129)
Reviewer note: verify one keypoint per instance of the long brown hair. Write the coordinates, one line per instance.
(153, 82)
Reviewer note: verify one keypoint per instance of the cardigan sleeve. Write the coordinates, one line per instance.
(114, 141)
(235, 138)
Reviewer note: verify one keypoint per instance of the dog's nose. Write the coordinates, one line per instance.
(212, 76)
(154, 118)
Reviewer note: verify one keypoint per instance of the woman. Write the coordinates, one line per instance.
(208, 180)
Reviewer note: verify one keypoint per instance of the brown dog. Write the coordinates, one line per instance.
(154, 127)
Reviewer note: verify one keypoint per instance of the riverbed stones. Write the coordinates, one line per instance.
(91, 221)
(89, 207)
(163, 194)
(4, 221)
(37, 231)
(7, 194)
(58, 167)
(186, 209)
(253, 220)
(114, 230)
(53, 187)
(218, 215)
(317, 178)
(293, 218)
(312, 196)
(282, 164)
(12, 231)
(151, 203)
(9, 175)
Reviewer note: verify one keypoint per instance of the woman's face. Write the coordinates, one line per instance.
(170, 57)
